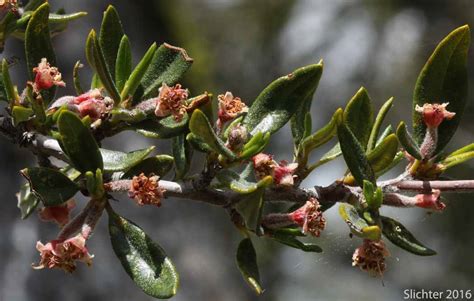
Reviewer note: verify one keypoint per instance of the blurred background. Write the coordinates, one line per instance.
(241, 46)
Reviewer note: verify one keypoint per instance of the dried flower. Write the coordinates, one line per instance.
(434, 114)
(93, 104)
(370, 257)
(309, 217)
(146, 190)
(58, 214)
(229, 108)
(171, 101)
(11, 5)
(430, 201)
(47, 76)
(237, 137)
(63, 254)
(282, 173)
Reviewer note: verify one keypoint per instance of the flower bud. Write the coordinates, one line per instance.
(430, 201)
(47, 76)
(171, 101)
(237, 137)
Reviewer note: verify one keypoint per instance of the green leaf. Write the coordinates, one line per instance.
(65, 18)
(378, 123)
(456, 159)
(198, 144)
(236, 182)
(300, 122)
(163, 128)
(354, 155)
(124, 63)
(38, 45)
(291, 241)
(78, 143)
(255, 145)
(382, 155)
(279, 101)
(111, 33)
(444, 79)
(136, 76)
(387, 131)
(120, 161)
(359, 115)
(357, 224)
(168, 66)
(21, 114)
(330, 155)
(10, 93)
(27, 201)
(320, 137)
(247, 263)
(466, 149)
(401, 237)
(182, 156)
(76, 80)
(199, 125)
(159, 165)
(96, 59)
(143, 260)
(407, 141)
(52, 187)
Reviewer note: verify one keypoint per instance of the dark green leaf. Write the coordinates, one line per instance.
(38, 45)
(96, 59)
(199, 125)
(247, 262)
(111, 33)
(52, 187)
(279, 101)
(8, 88)
(168, 65)
(198, 144)
(78, 143)
(159, 165)
(27, 201)
(401, 237)
(163, 128)
(382, 155)
(359, 116)
(76, 80)
(354, 155)
(236, 182)
(444, 79)
(120, 161)
(143, 260)
(137, 74)
(123, 66)
(407, 141)
(387, 131)
(182, 156)
(374, 134)
(291, 241)
(300, 123)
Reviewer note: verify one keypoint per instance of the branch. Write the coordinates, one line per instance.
(453, 185)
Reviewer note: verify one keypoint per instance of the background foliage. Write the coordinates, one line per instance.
(241, 46)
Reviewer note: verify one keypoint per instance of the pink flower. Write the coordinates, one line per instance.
(430, 201)
(58, 214)
(229, 108)
(309, 217)
(434, 114)
(6, 5)
(93, 104)
(370, 257)
(63, 254)
(282, 173)
(171, 101)
(146, 190)
(47, 76)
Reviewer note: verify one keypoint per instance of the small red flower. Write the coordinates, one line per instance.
(93, 104)
(263, 165)
(63, 254)
(58, 214)
(309, 217)
(47, 76)
(146, 190)
(434, 114)
(370, 257)
(171, 101)
(282, 173)
(430, 201)
(229, 108)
